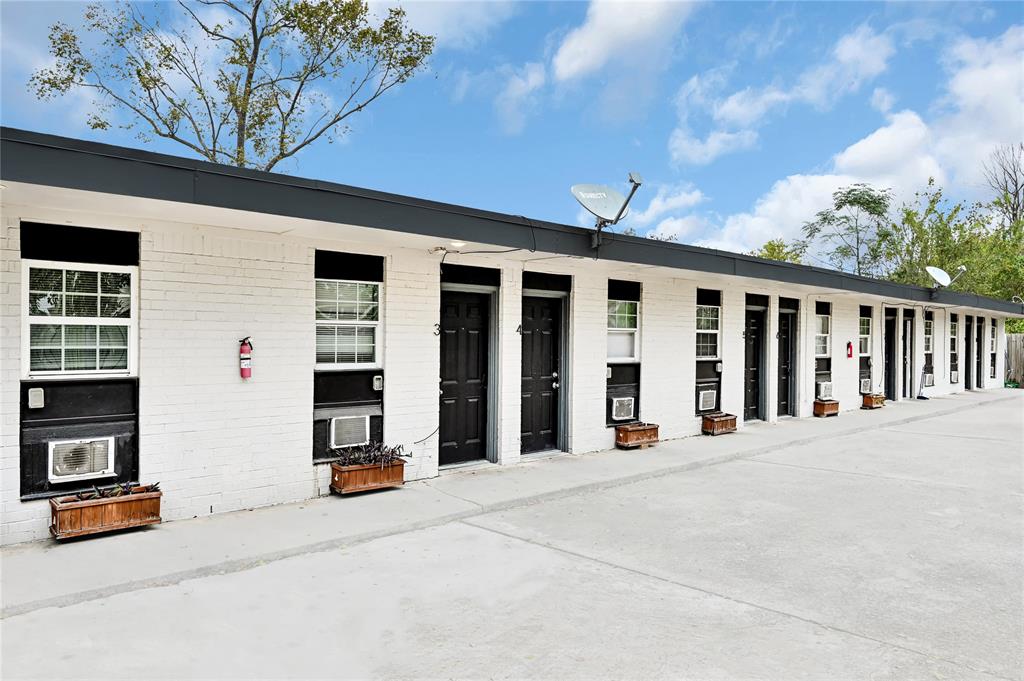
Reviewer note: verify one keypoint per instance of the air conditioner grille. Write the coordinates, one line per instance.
(80, 458)
(349, 431)
(622, 408)
(825, 390)
(707, 399)
(929, 380)
(865, 385)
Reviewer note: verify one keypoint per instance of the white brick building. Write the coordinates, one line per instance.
(214, 254)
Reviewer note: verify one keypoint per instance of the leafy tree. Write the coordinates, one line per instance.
(848, 231)
(1004, 174)
(244, 82)
(778, 249)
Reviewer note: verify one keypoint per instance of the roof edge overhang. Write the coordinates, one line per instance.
(50, 160)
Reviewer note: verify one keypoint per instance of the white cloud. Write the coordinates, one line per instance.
(666, 200)
(684, 147)
(748, 106)
(518, 97)
(618, 31)
(677, 228)
(882, 100)
(456, 25)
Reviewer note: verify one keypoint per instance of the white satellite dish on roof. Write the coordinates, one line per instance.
(604, 203)
(940, 275)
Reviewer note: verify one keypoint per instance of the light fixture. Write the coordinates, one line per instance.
(458, 244)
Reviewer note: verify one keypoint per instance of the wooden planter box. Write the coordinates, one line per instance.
(70, 517)
(826, 407)
(366, 476)
(636, 435)
(717, 423)
(873, 402)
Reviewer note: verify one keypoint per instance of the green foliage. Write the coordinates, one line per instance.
(778, 249)
(849, 229)
(244, 82)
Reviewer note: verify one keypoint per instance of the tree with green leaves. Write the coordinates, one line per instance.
(848, 231)
(244, 82)
(778, 249)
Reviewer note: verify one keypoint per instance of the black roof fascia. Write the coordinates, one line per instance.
(50, 160)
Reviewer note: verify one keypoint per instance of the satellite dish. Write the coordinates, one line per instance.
(939, 275)
(603, 202)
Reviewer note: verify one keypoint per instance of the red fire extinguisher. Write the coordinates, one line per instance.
(849, 349)
(245, 357)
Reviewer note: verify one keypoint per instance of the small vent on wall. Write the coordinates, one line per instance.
(707, 399)
(622, 408)
(825, 390)
(929, 380)
(350, 431)
(865, 385)
(81, 459)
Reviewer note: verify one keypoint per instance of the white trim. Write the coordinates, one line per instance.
(107, 472)
(826, 336)
(717, 332)
(619, 331)
(132, 321)
(860, 336)
(378, 325)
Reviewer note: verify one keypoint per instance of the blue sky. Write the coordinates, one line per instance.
(741, 117)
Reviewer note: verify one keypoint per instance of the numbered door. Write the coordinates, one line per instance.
(541, 336)
(787, 354)
(753, 337)
(464, 361)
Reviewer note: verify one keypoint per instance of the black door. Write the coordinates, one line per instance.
(969, 353)
(979, 351)
(753, 337)
(542, 320)
(890, 358)
(908, 361)
(787, 323)
(464, 332)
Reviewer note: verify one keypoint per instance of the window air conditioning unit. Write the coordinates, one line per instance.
(929, 380)
(825, 390)
(865, 385)
(81, 459)
(706, 399)
(954, 376)
(350, 431)
(622, 408)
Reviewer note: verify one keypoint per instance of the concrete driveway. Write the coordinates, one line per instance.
(892, 552)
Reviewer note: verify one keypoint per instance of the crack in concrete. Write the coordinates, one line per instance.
(734, 599)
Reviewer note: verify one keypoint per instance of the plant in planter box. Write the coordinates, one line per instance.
(105, 509)
(364, 467)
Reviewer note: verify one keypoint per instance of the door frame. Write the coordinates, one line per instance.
(794, 317)
(762, 381)
(564, 374)
(908, 347)
(493, 362)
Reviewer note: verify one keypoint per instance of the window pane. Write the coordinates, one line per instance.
(326, 290)
(326, 309)
(621, 344)
(113, 358)
(79, 360)
(368, 293)
(45, 304)
(44, 359)
(821, 324)
(77, 335)
(81, 306)
(114, 336)
(346, 344)
(864, 346)
(368, 312)
(115, 306)
(821, 345)
(44, 335)
(116, 282)
(707, 345)
(348, 292)
(81, 281)
(347, 311)
(45, 280)
(865, 326)
(325, 344)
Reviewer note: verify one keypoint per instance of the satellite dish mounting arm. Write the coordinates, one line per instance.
(595, 240)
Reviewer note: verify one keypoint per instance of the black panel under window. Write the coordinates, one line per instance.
(467, 274)
(623, 290)
(547, 282)
(78, 410)
(624, 382)
(350, 266)
(708, 297)
(789, 305)
(348, 393)
(66, 243)
(822, 307)
(757, 300)
(865, 310)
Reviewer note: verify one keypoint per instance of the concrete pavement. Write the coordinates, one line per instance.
(878, 544)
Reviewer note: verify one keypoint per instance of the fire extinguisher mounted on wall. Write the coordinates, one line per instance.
(245, 357)
(849, 349)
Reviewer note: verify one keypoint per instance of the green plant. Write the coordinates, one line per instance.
(371, 453)
(121, 489)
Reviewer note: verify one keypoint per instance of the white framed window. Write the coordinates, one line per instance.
(348, 317)
(623, 331)
(954, 331)
(992, 338)
(929, 327)
(822, 335)
(709, 324)
(79, 319)
(864, 337)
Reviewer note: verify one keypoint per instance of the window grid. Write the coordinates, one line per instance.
(928, 328)
(709, 319)
(347, 323)
(623, 330)
(864, 343)
(78, 318)
(992, 338)
(822, 335)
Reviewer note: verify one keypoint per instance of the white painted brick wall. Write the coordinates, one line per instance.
(588, 342)
(21, 521)
(666, 330)
(510, 353)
